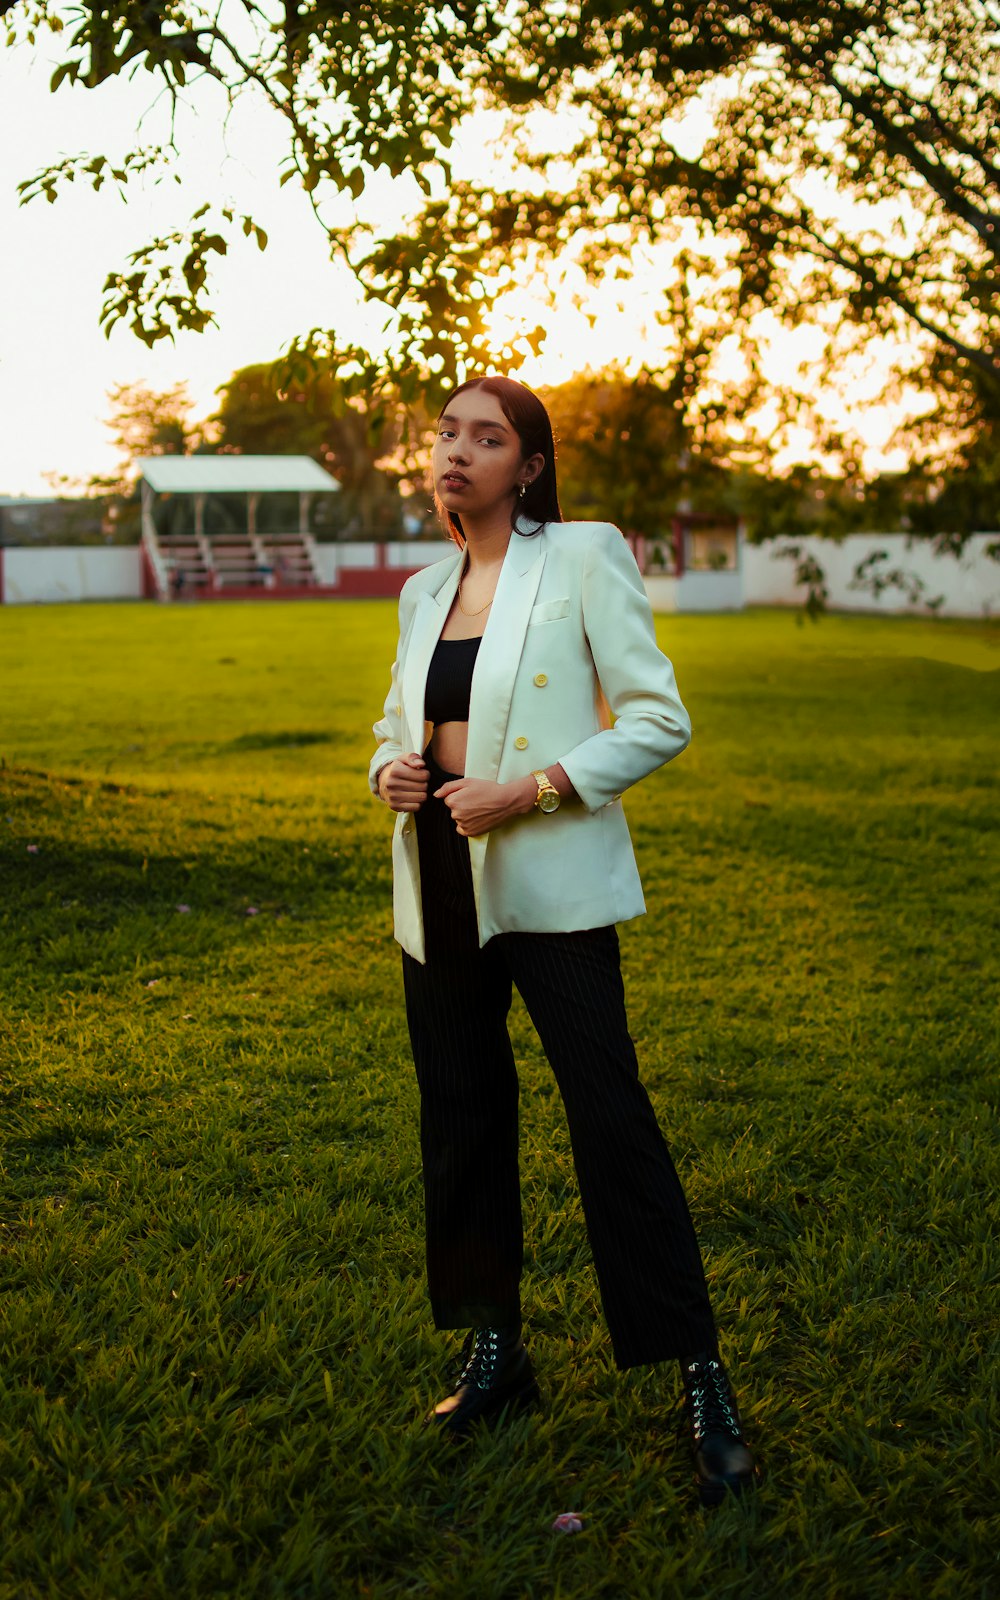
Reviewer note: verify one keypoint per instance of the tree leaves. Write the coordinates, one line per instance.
(96, 169)
(842, 155)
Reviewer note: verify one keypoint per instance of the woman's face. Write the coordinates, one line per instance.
(477, 462)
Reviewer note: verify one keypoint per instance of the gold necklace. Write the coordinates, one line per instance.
(481, 608)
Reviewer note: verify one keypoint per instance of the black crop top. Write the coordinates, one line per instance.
(449, 680)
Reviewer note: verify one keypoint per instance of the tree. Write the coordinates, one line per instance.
(354, 442)
(143, 422)
(848, 158)
(149, 422)
(374, 453)
(623, 447)
(634, 448)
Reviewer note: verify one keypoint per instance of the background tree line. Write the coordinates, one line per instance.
(847, 163)
(633, 448)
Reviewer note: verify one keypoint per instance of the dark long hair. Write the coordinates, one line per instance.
(530, 421)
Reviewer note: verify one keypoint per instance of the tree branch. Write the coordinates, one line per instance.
(986, 223)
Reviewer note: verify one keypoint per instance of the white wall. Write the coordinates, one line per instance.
(970, 583)
(99, 572)
(710, 591)
(71, 572)
(331, 557)
(695, 591)
(419, 553)
(662, 591)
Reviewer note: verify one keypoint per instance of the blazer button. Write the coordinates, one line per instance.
(399, 709)
(520, 743)
(541, 679)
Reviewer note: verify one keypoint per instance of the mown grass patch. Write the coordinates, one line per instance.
(217, 1348)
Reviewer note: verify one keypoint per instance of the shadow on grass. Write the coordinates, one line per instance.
(279, 740)
(95, 877)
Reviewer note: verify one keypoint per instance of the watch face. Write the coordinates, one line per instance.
(548, 802)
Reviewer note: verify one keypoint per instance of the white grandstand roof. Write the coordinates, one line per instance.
(235, 474)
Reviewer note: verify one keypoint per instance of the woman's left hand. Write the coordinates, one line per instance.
(478, 805)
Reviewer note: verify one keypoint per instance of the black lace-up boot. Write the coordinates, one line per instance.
(721, 1458)
(494, 1371)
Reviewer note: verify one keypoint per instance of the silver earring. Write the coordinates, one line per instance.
(521, 490)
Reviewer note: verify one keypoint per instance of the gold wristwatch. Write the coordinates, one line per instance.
(548, 797)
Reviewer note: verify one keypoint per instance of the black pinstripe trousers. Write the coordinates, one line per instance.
(645, 1252)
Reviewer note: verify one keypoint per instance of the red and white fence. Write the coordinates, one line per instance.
(969, 584)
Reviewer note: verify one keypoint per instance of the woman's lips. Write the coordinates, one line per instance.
(454, 480)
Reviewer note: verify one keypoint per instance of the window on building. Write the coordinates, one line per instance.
(711, 549)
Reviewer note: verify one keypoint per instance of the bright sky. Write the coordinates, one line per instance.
(56, 366)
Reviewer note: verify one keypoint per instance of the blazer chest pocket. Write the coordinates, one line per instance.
(549, 611)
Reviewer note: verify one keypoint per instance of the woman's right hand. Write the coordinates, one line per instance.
(403, 783)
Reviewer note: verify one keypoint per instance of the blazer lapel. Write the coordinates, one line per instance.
(424, 634)
(500, 653)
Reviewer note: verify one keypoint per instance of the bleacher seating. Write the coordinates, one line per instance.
(210, 563)
(235, 561)
(289, 558)
(185, 561)
(243, 560)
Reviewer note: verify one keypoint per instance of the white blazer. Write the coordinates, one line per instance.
(570, 619)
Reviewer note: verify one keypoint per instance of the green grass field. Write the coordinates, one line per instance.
(216, 1344)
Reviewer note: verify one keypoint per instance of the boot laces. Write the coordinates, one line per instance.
(479, 1357)
(712, 1404)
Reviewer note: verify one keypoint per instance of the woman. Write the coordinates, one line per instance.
(511, 864)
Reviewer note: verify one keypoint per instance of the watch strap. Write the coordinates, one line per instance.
(545, 786)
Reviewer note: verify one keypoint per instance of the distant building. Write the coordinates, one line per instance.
(697, 566)
(22, 516)
(47, 519)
